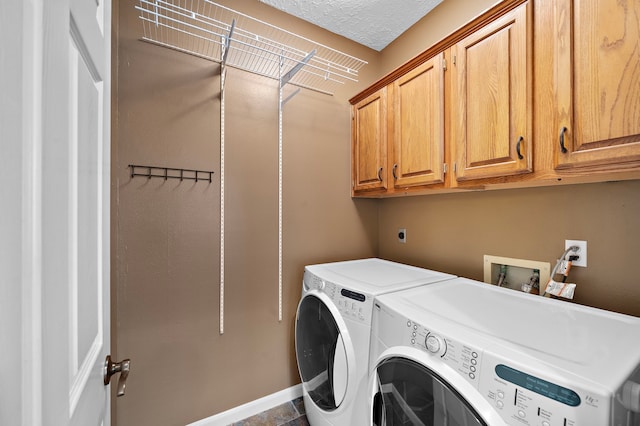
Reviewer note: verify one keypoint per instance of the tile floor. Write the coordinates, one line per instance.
(288, 414)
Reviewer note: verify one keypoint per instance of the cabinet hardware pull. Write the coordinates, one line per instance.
(380, 174)
(562, 147)
(520, 139)
(395, 166)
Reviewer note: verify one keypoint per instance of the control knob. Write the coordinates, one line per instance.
(631, 396)
(435, 344)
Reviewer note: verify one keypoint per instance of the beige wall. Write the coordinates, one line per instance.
(166, 237)
(166, 234)
(452, 232)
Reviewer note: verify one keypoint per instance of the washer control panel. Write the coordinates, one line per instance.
(523, 398)
(519, 396)
(351, 304)
(465, 359)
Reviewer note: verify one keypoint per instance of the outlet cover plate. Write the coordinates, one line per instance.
(582, 252)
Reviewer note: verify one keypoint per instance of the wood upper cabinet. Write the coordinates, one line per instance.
(417, 100)
(477, 117)
(491, 101)
(369, 143)
(597, 88)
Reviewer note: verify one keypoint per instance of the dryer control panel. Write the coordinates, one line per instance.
(352, 305)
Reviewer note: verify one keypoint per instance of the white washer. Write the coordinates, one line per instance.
(333, 331)
(463, 352)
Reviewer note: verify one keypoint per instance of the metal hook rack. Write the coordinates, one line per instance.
(171, 173)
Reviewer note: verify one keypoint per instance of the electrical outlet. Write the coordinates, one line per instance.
(402, 235)
(582, 251)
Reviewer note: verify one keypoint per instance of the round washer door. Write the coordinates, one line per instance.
(410, 391)
(322, 351)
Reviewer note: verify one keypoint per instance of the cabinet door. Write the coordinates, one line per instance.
(418, 125)
(491, 104)
(369, 156)
(598, 82)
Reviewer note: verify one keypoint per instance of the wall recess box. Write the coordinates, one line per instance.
(518, 271)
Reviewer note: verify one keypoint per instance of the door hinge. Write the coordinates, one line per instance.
(454, 59)
(444, 64)
(445, 168)
(455, 167)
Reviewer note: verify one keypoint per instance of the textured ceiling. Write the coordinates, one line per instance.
(373, 23)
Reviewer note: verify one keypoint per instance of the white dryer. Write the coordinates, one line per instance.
(463, 352)
(333, 331)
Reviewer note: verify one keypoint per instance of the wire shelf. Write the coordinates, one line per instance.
(208, 30)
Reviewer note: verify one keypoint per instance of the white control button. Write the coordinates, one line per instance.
(413, 341)
(408, 323)
(474, 361)
(433, 343)
(415, 326)
(472, 368)
(500, 404)
(500, 394)
(474, 354)
(413, 334)
(521, 414)
(545, 423)
(472, 376)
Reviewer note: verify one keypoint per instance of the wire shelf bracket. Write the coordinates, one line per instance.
(227, 42)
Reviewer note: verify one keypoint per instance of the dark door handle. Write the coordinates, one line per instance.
(562, 147)
(111, 368)
(520, 139)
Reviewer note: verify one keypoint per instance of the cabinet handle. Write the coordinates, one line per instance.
(380, 174)
(520, 139)
(395, 177)
(562, 147)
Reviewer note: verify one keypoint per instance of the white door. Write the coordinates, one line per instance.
(56, 146)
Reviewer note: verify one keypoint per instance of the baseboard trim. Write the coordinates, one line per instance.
(251, 408)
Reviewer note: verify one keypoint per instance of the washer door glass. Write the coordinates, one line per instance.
(321, 353)
(409, 393)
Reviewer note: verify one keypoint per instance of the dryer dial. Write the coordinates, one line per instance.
(435, 344)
